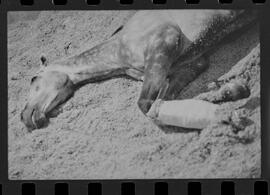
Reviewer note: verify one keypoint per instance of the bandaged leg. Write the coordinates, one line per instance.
(190, 113)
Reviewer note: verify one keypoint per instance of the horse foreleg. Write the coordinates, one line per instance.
(162, 50)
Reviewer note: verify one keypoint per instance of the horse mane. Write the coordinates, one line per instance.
(220, 29)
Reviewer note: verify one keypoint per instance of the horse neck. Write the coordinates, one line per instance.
(96, 64)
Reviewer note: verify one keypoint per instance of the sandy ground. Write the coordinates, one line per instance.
(101, 133)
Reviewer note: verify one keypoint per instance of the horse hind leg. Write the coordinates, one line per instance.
(182, 74)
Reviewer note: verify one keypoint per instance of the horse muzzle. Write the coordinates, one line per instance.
(33, 118)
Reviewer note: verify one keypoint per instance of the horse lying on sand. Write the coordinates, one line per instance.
(164, 49)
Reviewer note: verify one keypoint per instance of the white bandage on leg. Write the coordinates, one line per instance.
(190, 113)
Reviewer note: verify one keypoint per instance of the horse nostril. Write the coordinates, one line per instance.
(21, 116)
(23, 113)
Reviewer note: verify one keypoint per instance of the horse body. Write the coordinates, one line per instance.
(145, 49)
(146, 28)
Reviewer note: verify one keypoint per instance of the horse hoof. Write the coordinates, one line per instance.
(234, 91)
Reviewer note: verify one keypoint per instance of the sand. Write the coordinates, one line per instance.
(101, 133)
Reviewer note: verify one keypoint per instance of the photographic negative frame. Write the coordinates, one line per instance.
(148, 184)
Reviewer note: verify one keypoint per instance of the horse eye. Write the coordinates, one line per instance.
(33, 79)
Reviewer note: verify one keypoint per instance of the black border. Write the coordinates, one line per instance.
(175, 186)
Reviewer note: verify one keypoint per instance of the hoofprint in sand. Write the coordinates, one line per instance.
(99, 136)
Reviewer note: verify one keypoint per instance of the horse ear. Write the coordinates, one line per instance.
(44, 61)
